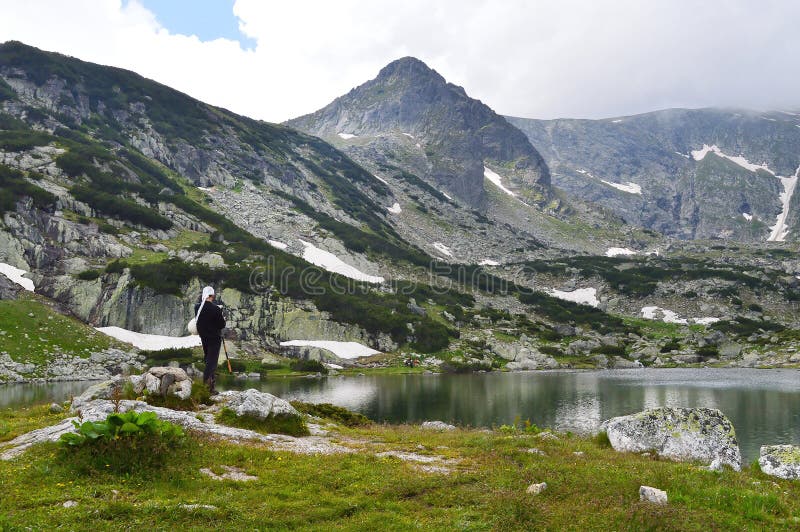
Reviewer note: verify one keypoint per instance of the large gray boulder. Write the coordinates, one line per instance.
(683, 434)
(782, 461)
(257, 404)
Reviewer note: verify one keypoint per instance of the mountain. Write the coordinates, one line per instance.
(122, 197)
(456, 136)
(705, 173)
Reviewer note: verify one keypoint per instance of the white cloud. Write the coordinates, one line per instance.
(539, 59)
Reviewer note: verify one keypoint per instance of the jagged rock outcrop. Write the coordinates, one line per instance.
(683, 434)
(457, 134)
(713, 197)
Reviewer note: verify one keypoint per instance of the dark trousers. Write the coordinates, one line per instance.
(211, 345)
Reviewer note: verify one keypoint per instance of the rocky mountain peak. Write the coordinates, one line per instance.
(459, 135)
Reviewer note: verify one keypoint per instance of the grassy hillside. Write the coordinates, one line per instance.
(481, 485)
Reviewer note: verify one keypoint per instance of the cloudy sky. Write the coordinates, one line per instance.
(275, 60)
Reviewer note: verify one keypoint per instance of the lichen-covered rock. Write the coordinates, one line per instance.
(782, 461)
(181, 389)
(256, 404)
(683, 434)
(177, 373)
(101, 390)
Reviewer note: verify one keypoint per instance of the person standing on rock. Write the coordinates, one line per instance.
(210, 323)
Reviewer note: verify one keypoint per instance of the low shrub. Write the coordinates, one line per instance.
(282, 424)
(672, 345)
(334, 413)
(551, 350)
(122, 442)
(88, 275)
(708, 351)
(615, 350)
(201, 395)
(454, 366)
(308, 365)
(162, 357)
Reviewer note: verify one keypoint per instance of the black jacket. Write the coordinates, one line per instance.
(210, 322)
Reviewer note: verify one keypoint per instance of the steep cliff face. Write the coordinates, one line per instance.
(653, 168)
(457, 135)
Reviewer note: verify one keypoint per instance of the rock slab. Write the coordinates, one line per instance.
(256, 404)
(782, 461)
(682, 434)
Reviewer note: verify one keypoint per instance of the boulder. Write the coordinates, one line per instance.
(782, 461)
(683, 434)
(137, 382)
(161, 371)
(624, 363)
(152, 383)
(536, 489)
(653, 495)
(181, 389)
(101, 390)
(257, 404)
(437, 425)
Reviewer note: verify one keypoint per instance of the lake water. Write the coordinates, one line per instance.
(764, 405)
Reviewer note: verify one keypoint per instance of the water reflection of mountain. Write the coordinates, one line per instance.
(764, 405)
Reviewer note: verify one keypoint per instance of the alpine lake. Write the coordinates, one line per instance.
(763, 404)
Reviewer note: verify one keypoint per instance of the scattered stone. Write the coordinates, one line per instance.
(536, 489)
(437, 425)
(257, 404)
(683, 434)
(231, 473)
(652, 495)
(162, 371)
(782, 461)
(70, 504)
(578, 453)
(193, 507)
(546, 435)
(534, 450)
(56, 408)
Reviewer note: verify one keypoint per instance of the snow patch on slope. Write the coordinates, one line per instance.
(700, 154)
(346, 350)
(278, 244)
(150, 342)
(15, 275)
(332, 263)
(780, 229)
(441, 248)
(347, 136)
(615, 252)
(584, 296)
(668, 316)
(488, 262)
(496, 179)
(395, 209)
(747, 216)
(630, 187)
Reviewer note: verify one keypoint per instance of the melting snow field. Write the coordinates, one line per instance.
(615, 252)
(488, 262)
(15, 275)
(332, 263)
(346, 350)
(205, 189)
(395, 209)
(778, 231)
(668, 316)
(443, 249)
(747, 216)
(494, 178)
(631, 188)
(347, 136)
(447, 196)
(150, 342)
(585, 296)
(278, 244)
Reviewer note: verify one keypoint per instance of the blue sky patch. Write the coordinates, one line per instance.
(208, 19)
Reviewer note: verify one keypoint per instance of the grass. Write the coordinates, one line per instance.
(34, 332)
(362, 491)
(292, 425)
